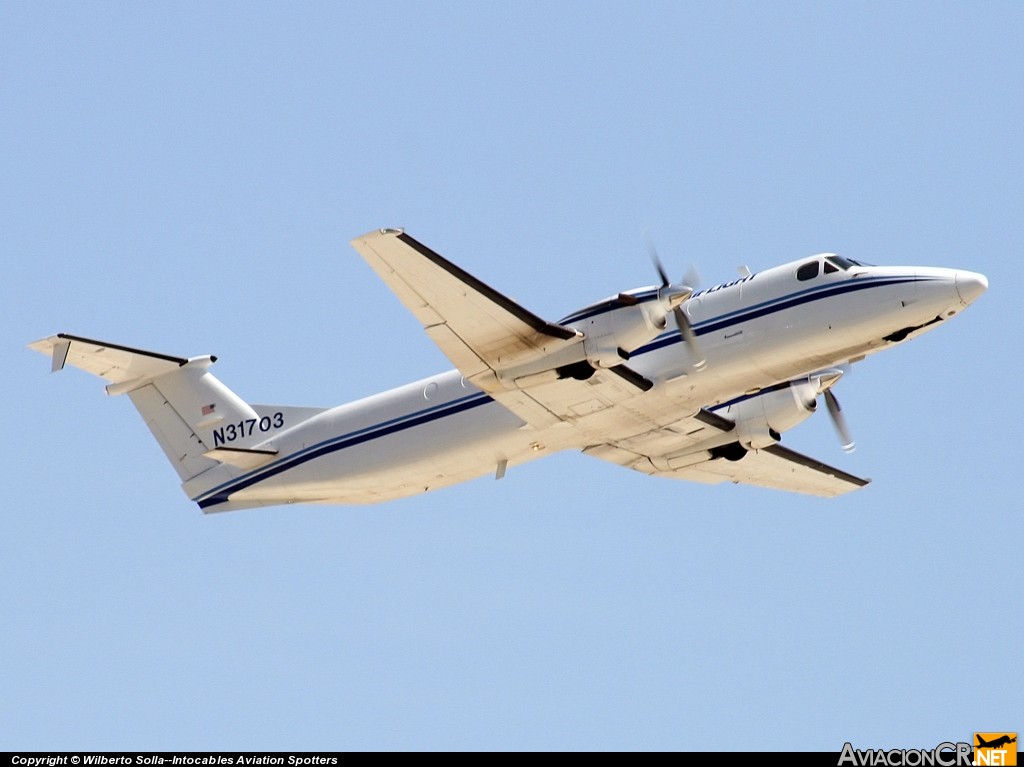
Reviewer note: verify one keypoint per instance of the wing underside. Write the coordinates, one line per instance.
(779, 468)
(688, 458)
(478, 328)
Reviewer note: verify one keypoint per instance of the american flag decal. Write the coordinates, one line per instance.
(208, 409)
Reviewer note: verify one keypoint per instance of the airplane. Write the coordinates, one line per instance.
(1002, 740)
(667, 380)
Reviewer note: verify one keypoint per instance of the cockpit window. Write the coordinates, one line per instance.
(830, 267)
(808, 271)
(843, 263)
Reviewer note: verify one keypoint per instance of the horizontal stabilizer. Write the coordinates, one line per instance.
(112, 362)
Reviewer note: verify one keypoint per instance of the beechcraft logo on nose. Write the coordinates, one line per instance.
(995, 748)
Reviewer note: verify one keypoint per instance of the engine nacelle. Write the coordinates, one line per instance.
(761, 419)
(611, 336)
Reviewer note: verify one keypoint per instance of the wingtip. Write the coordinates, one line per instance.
(56, 346)
(374, 234)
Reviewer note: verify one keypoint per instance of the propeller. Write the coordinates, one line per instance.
(839, 421)
(676, 294)
(822, 383)
(806, 392)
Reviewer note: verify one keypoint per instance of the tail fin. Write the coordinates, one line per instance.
(208, 432)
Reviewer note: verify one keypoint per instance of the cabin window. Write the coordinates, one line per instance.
(808, 271)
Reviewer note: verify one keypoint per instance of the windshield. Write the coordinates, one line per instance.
(845, 263)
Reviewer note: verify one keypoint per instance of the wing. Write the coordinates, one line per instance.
(779, 468)
(478, 328)
(520, 359)
(692, 450)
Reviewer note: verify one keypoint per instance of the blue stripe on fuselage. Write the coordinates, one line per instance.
(773, 305)
(220, 494)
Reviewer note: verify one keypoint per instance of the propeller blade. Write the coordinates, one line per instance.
(682, 321)
(652, 251)
(839, 421)
(665, 281)
(692, 277)
(689, 338)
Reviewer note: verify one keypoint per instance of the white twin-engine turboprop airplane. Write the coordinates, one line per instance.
(664, 380)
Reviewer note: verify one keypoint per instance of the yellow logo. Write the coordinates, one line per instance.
(995, 748)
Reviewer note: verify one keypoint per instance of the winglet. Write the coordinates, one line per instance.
(60, 355)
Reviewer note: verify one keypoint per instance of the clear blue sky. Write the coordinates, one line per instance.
(185, 177)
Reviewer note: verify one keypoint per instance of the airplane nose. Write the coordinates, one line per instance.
(970, 285)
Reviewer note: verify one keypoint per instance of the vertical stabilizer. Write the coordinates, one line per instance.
(208, 432)
(184, 408)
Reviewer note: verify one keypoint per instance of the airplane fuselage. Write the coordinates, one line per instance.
(757, 332)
